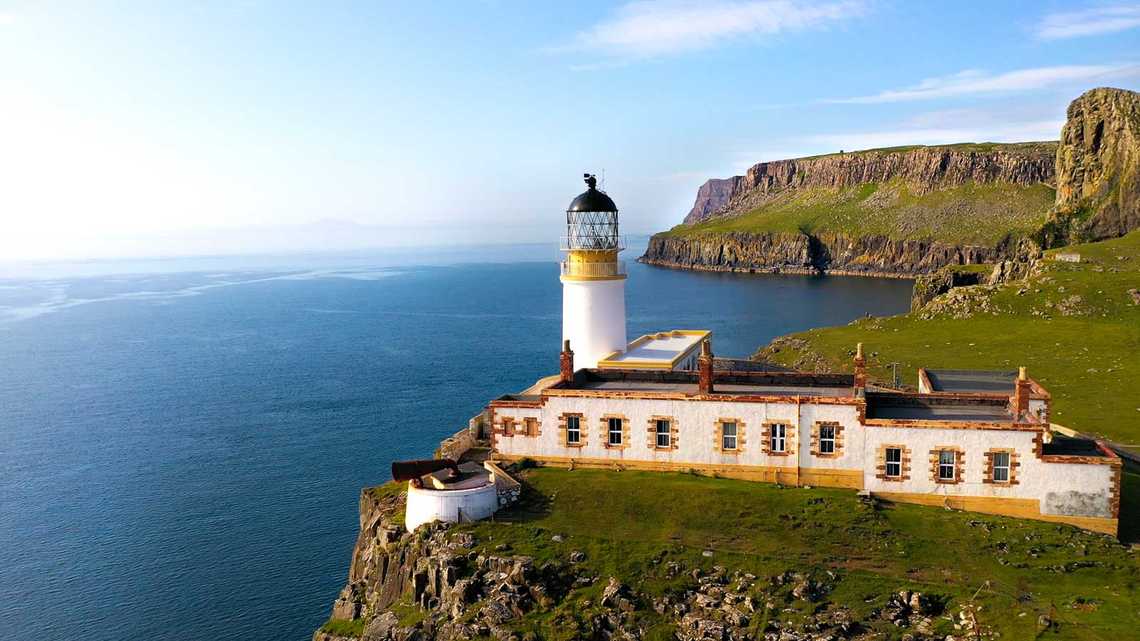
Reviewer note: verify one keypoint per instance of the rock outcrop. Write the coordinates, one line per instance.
(1098, 168)
(712, 196)
(802, 253)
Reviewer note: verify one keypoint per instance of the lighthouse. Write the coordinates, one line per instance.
(593, 279)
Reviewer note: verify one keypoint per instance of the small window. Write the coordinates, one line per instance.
(779, 437)
(614, 430)
(894, 462)
(664, 433)
(573, 430)
(728, 436)
(1001, 467)
(531, 426)
(826, 439)
(947, 460)
(508, 425)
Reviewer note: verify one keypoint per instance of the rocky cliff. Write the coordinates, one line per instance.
(909, 211)
(921, 169)
(1098, 168)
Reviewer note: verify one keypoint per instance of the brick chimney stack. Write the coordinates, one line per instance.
(1021, 394)
(705, 369)
(860, 367)
(566, 363)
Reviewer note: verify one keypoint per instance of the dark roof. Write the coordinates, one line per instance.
(592, 200)
(971, 380)
(1070, 446)
(904, 406)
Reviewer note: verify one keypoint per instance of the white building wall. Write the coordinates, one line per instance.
(593, 319)
(1060, 488)
(425, 505)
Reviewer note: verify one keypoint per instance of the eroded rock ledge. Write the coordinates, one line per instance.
(824, 253)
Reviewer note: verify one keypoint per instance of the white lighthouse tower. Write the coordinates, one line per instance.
(593, 279)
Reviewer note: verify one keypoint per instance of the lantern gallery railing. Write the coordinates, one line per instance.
(592, 243)
(593, 270)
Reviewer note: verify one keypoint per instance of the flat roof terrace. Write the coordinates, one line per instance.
(663, 350)
(740, 383)
(918, 407)
(972, 380)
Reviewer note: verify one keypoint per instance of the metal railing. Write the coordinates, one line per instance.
(593, 270)
(592, 243)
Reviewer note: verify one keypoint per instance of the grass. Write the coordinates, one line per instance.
(344, 627)
(1086, 350)
(974, 213)
(630, 524)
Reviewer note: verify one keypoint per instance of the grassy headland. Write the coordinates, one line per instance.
(632, 525)
(1076, 326)
(974, 213)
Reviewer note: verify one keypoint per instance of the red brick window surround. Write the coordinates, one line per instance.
(893, 463)
(946, 463)
(615, 431)
(1001, 467)
(778, 438)
(729, 436)
(662, 433)
(572, 426)
(508, 426)
(827, 439)
(531, 426)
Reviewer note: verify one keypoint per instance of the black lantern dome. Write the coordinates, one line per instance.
(592, 220)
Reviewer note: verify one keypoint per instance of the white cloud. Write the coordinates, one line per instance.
(1089, 22)
(648, 29)
(973, 81)
(7, 19)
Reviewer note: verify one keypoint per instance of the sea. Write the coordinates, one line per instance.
(183, 442)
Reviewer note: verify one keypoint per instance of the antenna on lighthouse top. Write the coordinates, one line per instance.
(603, 178)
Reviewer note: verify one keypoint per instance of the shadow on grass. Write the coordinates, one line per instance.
(531, 506)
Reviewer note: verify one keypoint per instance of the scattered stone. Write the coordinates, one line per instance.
(577, 556)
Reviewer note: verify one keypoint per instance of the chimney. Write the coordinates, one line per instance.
(566, 362)
(705, 369)
(860, 367)
(1021, 394)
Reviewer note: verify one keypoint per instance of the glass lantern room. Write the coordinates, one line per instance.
(592, 221)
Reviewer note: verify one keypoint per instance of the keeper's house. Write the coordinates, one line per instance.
(968, 440)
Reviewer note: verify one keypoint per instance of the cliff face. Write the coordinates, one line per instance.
(712, 196)
(1098, 167)
(921, 169)
(835, 253)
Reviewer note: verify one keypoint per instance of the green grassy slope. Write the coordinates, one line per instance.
(632, 524)
(974, 213)
(1074, 325)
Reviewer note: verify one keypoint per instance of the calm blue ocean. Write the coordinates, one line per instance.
(182, 443)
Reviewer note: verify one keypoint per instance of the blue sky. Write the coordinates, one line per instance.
(167, 128)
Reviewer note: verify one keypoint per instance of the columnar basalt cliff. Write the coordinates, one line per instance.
(922, 169)
(908, 211)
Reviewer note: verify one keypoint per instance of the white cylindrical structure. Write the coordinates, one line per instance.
(593, 318)
(471, 504)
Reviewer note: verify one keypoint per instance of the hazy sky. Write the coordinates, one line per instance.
(147, 127)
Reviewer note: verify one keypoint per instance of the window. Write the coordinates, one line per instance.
(573, 430)
(664, 431)
(947, 462)
(615, 430)
(531, 426)
(894, 462)
(1001, 467)
(779, 437)
(728, 435)
(826, 439)
(508, 426)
